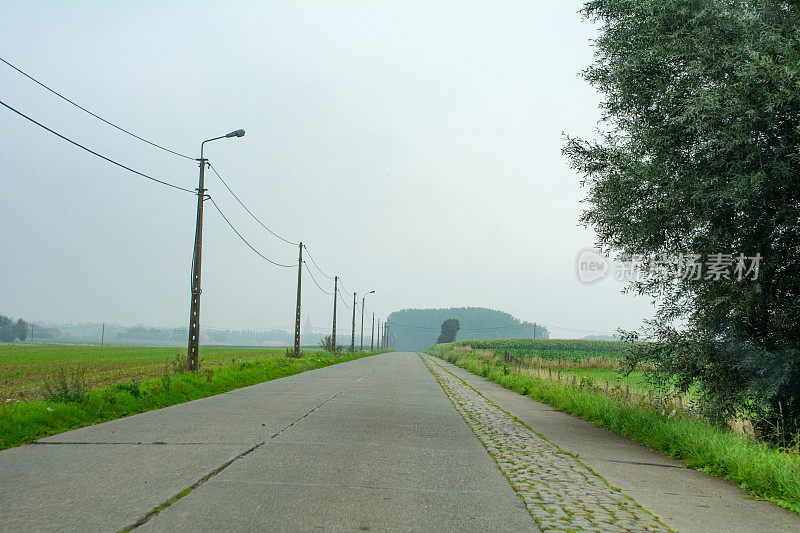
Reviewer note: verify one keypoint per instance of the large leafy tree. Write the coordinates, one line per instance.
(699, 153)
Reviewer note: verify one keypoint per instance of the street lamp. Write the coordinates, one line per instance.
(194, 309)
(353, 338)
(362, 319)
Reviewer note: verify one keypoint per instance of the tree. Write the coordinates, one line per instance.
(700, 155)
(448, 330)
(6, 329)
(10, 330)
(20, 329)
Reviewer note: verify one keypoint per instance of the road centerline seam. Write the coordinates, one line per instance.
(156, 510)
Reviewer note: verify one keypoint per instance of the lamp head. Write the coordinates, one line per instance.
(237, 133)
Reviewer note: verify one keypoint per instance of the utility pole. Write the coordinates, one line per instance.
(297, 314)
(362, 321)
(194, 309)
(353, 338)
(386, 336)
(534, 331)
(335, 294)
(378, 329)
(372, 334)
(103, 335)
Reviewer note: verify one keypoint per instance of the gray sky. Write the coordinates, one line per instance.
(413, 146)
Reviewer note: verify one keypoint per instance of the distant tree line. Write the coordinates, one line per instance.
(417, 329)
(221, 336)
(11, 331)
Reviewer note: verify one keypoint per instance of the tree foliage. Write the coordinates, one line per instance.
(11, 331)
(448, 331)
(700, 154)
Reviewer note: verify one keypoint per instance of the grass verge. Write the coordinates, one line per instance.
(756, 468)
(26, 421)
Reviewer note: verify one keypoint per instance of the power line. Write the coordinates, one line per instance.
(538, 325)
(315, 281)
(464, 329)
(93, 114)
(575, 330)
(245, 240)
(23, 115)
(342, 285)
(246, 330)
(246, 209)
(344, 302)
(315, 263)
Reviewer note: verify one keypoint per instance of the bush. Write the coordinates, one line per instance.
(65, 385)
(327, 344)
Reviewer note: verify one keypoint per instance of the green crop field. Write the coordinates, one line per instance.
(575, 350)
(599, 360)
(95, 384)
(24, 369)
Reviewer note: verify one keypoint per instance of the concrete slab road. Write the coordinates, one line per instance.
(370, 444)
(391, 442)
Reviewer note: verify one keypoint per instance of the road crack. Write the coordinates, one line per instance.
(145, 518)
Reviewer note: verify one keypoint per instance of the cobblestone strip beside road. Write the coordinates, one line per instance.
(559, 491)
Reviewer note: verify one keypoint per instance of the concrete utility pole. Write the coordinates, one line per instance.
(378, 329)
(335, 294)
(372, 334)
(362, 322)
(534, 331)
(193, 353)
(353, 338)
(297, 314)
(362, 319)
(103, 335)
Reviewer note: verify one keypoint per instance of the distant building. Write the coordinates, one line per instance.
(39, 333)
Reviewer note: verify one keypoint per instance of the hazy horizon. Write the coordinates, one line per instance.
(414, 147)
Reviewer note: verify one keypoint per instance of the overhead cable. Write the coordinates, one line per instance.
(287, 241)
(101, 156)
(245, 240)
(93, 114)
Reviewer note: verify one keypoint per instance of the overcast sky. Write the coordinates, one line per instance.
(413, 146)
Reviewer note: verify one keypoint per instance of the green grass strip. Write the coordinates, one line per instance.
(23, 422)
(756, 468)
